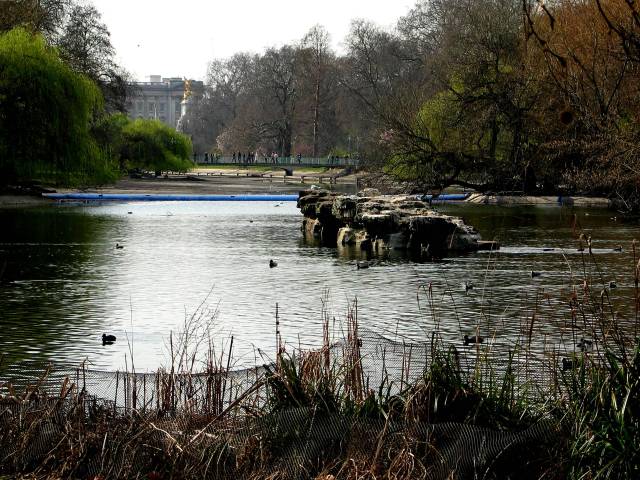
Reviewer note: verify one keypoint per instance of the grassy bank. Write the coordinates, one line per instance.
(361, 406)
(260, 168)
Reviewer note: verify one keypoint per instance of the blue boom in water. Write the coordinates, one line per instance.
(148, 197)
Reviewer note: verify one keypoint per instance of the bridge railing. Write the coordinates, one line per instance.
(277, 161)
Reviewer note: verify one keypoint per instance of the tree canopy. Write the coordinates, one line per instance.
(153, 146)
(498, 95)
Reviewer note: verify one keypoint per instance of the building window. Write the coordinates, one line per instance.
(162, 106)
(177, 108)
(152, 107)
(139, 106)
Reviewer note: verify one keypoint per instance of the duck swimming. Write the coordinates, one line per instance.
(567, 364)
(118, 246)
(272, 263)
(473, 339)
(108, 339)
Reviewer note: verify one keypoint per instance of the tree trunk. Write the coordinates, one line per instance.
(316, 114)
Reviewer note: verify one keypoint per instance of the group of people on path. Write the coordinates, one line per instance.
(273, 158)
(250, 157)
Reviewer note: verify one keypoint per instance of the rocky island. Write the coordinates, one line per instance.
(377, 222)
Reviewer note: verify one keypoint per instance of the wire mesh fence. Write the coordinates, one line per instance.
(396, 364)
(216, 417)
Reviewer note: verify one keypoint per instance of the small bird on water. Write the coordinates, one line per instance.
(535, 274)
(108, 339)
(272, 263)
(118, 246)
(584, 345)
(361, 265)
(618, 248)
(473, 339)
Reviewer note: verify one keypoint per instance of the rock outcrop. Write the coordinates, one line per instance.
(381, 222)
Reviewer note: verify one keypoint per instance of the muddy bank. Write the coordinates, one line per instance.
(8, 201)
(551, 200)
(220, 182)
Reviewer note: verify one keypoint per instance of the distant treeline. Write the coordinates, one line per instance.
(61, 98)
(515, 95)
(497, 95)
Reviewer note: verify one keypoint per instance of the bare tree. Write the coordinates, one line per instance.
(277, 95)
(317, 61)
(43, 16)
(85, 44)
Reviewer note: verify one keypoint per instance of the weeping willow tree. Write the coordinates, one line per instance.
(46, 111)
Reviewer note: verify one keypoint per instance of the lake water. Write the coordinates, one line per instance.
(65, 283)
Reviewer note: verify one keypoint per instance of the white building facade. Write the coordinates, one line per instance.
(162, 98)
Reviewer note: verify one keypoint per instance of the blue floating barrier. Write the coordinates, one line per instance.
(147, 197)
(445, 197)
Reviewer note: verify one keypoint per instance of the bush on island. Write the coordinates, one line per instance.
(153, 146)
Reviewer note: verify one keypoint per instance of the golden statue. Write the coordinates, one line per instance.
(187, 89)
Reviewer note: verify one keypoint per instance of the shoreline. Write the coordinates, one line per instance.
(208, 181)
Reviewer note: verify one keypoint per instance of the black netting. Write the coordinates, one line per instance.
(216, 417)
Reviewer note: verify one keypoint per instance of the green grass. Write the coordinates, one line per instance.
(261, 168)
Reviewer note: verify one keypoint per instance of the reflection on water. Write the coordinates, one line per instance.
(65, 283)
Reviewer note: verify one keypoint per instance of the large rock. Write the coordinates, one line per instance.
(383, 223)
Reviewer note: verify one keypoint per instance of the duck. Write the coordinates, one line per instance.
(580, 249)
(584, 345)
(567, 364)
(535, 274)
(361, 265)
(548, 249)
(107, 339)
(272, 263)
(118, 246)
(473, 339)
(618, 248)
(613, 285)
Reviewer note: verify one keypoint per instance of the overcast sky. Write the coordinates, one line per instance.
(179, 38)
